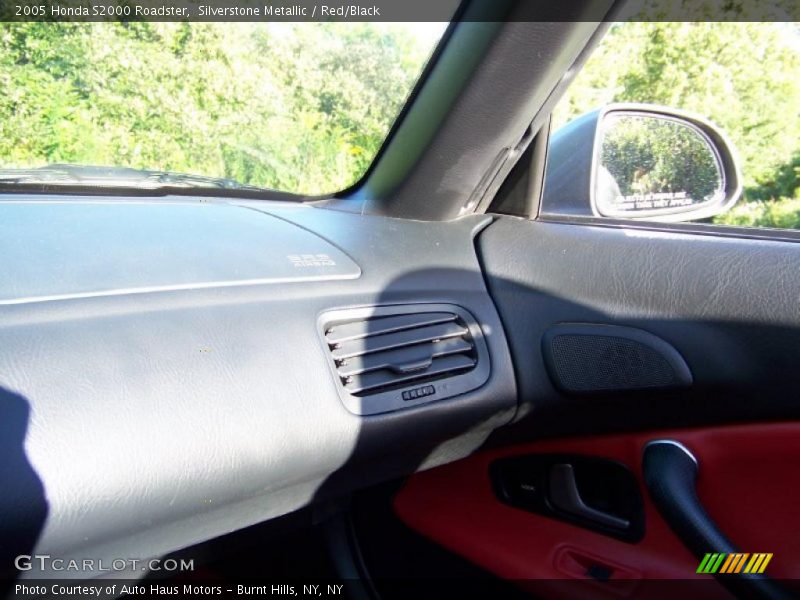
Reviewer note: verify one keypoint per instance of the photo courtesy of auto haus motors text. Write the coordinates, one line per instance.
(114, 590)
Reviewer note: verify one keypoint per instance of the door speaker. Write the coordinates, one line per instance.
(586, 358)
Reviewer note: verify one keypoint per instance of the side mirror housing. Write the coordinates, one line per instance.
(643, 162)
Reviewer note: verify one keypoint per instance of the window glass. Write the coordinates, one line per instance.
(297, 107)
(742, 77)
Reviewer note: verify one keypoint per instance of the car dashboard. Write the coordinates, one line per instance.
(169, 366)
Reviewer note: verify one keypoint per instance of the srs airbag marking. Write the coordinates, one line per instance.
(311, 260)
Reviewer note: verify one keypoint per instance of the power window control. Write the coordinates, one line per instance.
(599, 572)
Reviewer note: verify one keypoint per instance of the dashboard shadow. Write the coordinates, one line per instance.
(23, 503)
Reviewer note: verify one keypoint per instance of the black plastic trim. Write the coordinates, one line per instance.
(707, 229)
(613, 477)
(447, 384)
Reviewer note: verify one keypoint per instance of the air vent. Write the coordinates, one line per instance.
(393, 357)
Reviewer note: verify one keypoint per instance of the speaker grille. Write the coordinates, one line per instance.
(586, 363)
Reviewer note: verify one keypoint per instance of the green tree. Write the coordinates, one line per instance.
(744, 77)
(646, 155)
(299, 107)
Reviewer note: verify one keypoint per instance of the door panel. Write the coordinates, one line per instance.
(729, 306)
(723, 313)
(748, 483)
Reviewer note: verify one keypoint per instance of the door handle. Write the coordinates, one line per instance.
(564, 495)
(670, 474)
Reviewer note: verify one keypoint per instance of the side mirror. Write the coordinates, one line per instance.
(640, 161)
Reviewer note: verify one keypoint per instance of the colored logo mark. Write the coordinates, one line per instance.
(734, 563)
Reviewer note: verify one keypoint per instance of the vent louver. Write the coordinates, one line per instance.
(384, 353)
(391, 357)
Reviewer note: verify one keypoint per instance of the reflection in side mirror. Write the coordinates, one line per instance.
(649, 166)
(640, 161)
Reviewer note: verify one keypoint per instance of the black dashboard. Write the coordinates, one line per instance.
(165, 379)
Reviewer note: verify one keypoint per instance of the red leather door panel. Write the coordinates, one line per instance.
(749, 482)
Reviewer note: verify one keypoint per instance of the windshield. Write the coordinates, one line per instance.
(296, 107)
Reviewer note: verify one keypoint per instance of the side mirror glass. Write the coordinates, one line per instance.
(649, 165)
(640, 161)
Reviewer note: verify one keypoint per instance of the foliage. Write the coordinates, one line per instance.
(741, 76)
(297, 107)
(646, 156)
(783, 213)
(305, 107)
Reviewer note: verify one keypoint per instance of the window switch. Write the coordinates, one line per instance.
(599, 572)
